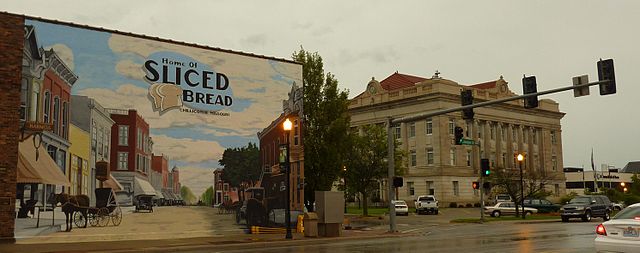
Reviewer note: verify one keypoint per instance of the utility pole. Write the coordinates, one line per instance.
(391, 172)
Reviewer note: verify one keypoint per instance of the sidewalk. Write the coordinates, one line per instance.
(29, 227)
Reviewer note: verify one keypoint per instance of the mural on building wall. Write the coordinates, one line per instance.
(196, 101)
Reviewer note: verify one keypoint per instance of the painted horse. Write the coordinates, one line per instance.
(71, 204)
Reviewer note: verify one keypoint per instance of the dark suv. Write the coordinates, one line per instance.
(586, 207)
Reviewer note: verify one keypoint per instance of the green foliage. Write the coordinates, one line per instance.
(366, 164)
(187, 195)
(207, 196)
(326, 125)
(564, 199)
(241, 165)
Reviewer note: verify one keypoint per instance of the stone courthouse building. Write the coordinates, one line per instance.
(435, 165)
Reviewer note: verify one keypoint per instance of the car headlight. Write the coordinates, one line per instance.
(580, 208)
(561, 209)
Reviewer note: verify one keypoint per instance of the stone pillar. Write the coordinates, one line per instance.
(11, 50)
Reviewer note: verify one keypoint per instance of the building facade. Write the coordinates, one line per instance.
(435, 165)
(79, 154)
(271, 138)
(131, 149)
(89, 115)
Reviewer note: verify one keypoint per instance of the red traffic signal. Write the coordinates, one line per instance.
(475, 185)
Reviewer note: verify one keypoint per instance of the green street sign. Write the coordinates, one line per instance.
(467, 142)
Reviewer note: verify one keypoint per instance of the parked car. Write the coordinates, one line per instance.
(502, 198)
(618, 206)
(426, 204)
(543, 205)
(586, 207)
(507, 208)
(401, 207)
(620, 234)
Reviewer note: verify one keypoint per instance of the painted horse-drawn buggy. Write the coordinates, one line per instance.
(77, 210)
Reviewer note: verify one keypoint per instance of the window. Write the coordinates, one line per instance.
(47, 106)
(504, 159)
(456, 188)
(94, 135)
(56, 115)
(553, 137)
(410, 189)
(296, 133)
(412, 158)
(139, 139)
(397, 134)
(452, 154)
(429, 126)
(24, 96)
(123, 135)
(452, 126)
(431, 188)
(65, 119)
(123, 157)
(554, 163)
(430, 156)
(412, 129)
(101, 142)
(468, 157)
(34, 110)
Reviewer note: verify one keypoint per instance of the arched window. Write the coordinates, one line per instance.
(35, 102)
(56, 115)
(47, 107)
(24, 98)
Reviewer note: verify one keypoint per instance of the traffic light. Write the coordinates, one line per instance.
(458, 135)
(529, 85)
(606, 72)
(484, 166)
(466, 97)
(475, 185)
(398, 182)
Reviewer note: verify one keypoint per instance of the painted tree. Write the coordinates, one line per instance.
(187, 195)
(241, 165)
(207, 196)
(326, 125)
(366, 162)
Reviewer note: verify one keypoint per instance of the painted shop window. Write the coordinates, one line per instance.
(122, 160)
(24, 97)
(65, 120)
(56, 115)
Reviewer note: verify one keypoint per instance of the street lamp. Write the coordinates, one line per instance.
(520, 160)
(287, 215)
(344, 177)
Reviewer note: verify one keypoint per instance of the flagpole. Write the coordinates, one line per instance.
(584, 184)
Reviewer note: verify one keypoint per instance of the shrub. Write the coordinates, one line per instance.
(476, 205)
(468, 205)
(453, 204)
(564, 199)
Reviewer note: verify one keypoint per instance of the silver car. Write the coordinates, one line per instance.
(507, 208)
(401, 207)
(620, 234)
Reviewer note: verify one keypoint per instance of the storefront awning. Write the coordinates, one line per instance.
(112, 183)
(143, 187)
(159, 195)
(38, 171)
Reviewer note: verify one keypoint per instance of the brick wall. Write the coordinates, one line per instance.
(11, 50)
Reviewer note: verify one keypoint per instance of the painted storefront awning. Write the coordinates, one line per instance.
(38, 171)
(143, 187)
(159, 195)
(112, 183)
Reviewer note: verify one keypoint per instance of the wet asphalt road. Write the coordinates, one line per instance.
(462, 238)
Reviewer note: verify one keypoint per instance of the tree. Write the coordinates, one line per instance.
(326, 124)
(207, 196)
(187, 195)
(366, 164)
(241, 165)
(507, 181)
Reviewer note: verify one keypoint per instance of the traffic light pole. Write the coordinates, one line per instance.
(391, 172)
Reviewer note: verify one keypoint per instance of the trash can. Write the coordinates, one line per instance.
(310, 222)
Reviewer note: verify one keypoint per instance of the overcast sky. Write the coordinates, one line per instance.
(467, 41)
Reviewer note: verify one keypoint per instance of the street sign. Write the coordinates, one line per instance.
(577, 80)
(467, 142)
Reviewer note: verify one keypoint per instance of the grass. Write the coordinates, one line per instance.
(488, 218)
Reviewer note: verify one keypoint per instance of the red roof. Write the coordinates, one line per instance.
(487, 85)
(399, 81)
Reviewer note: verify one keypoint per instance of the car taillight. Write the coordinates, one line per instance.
(600, 230)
